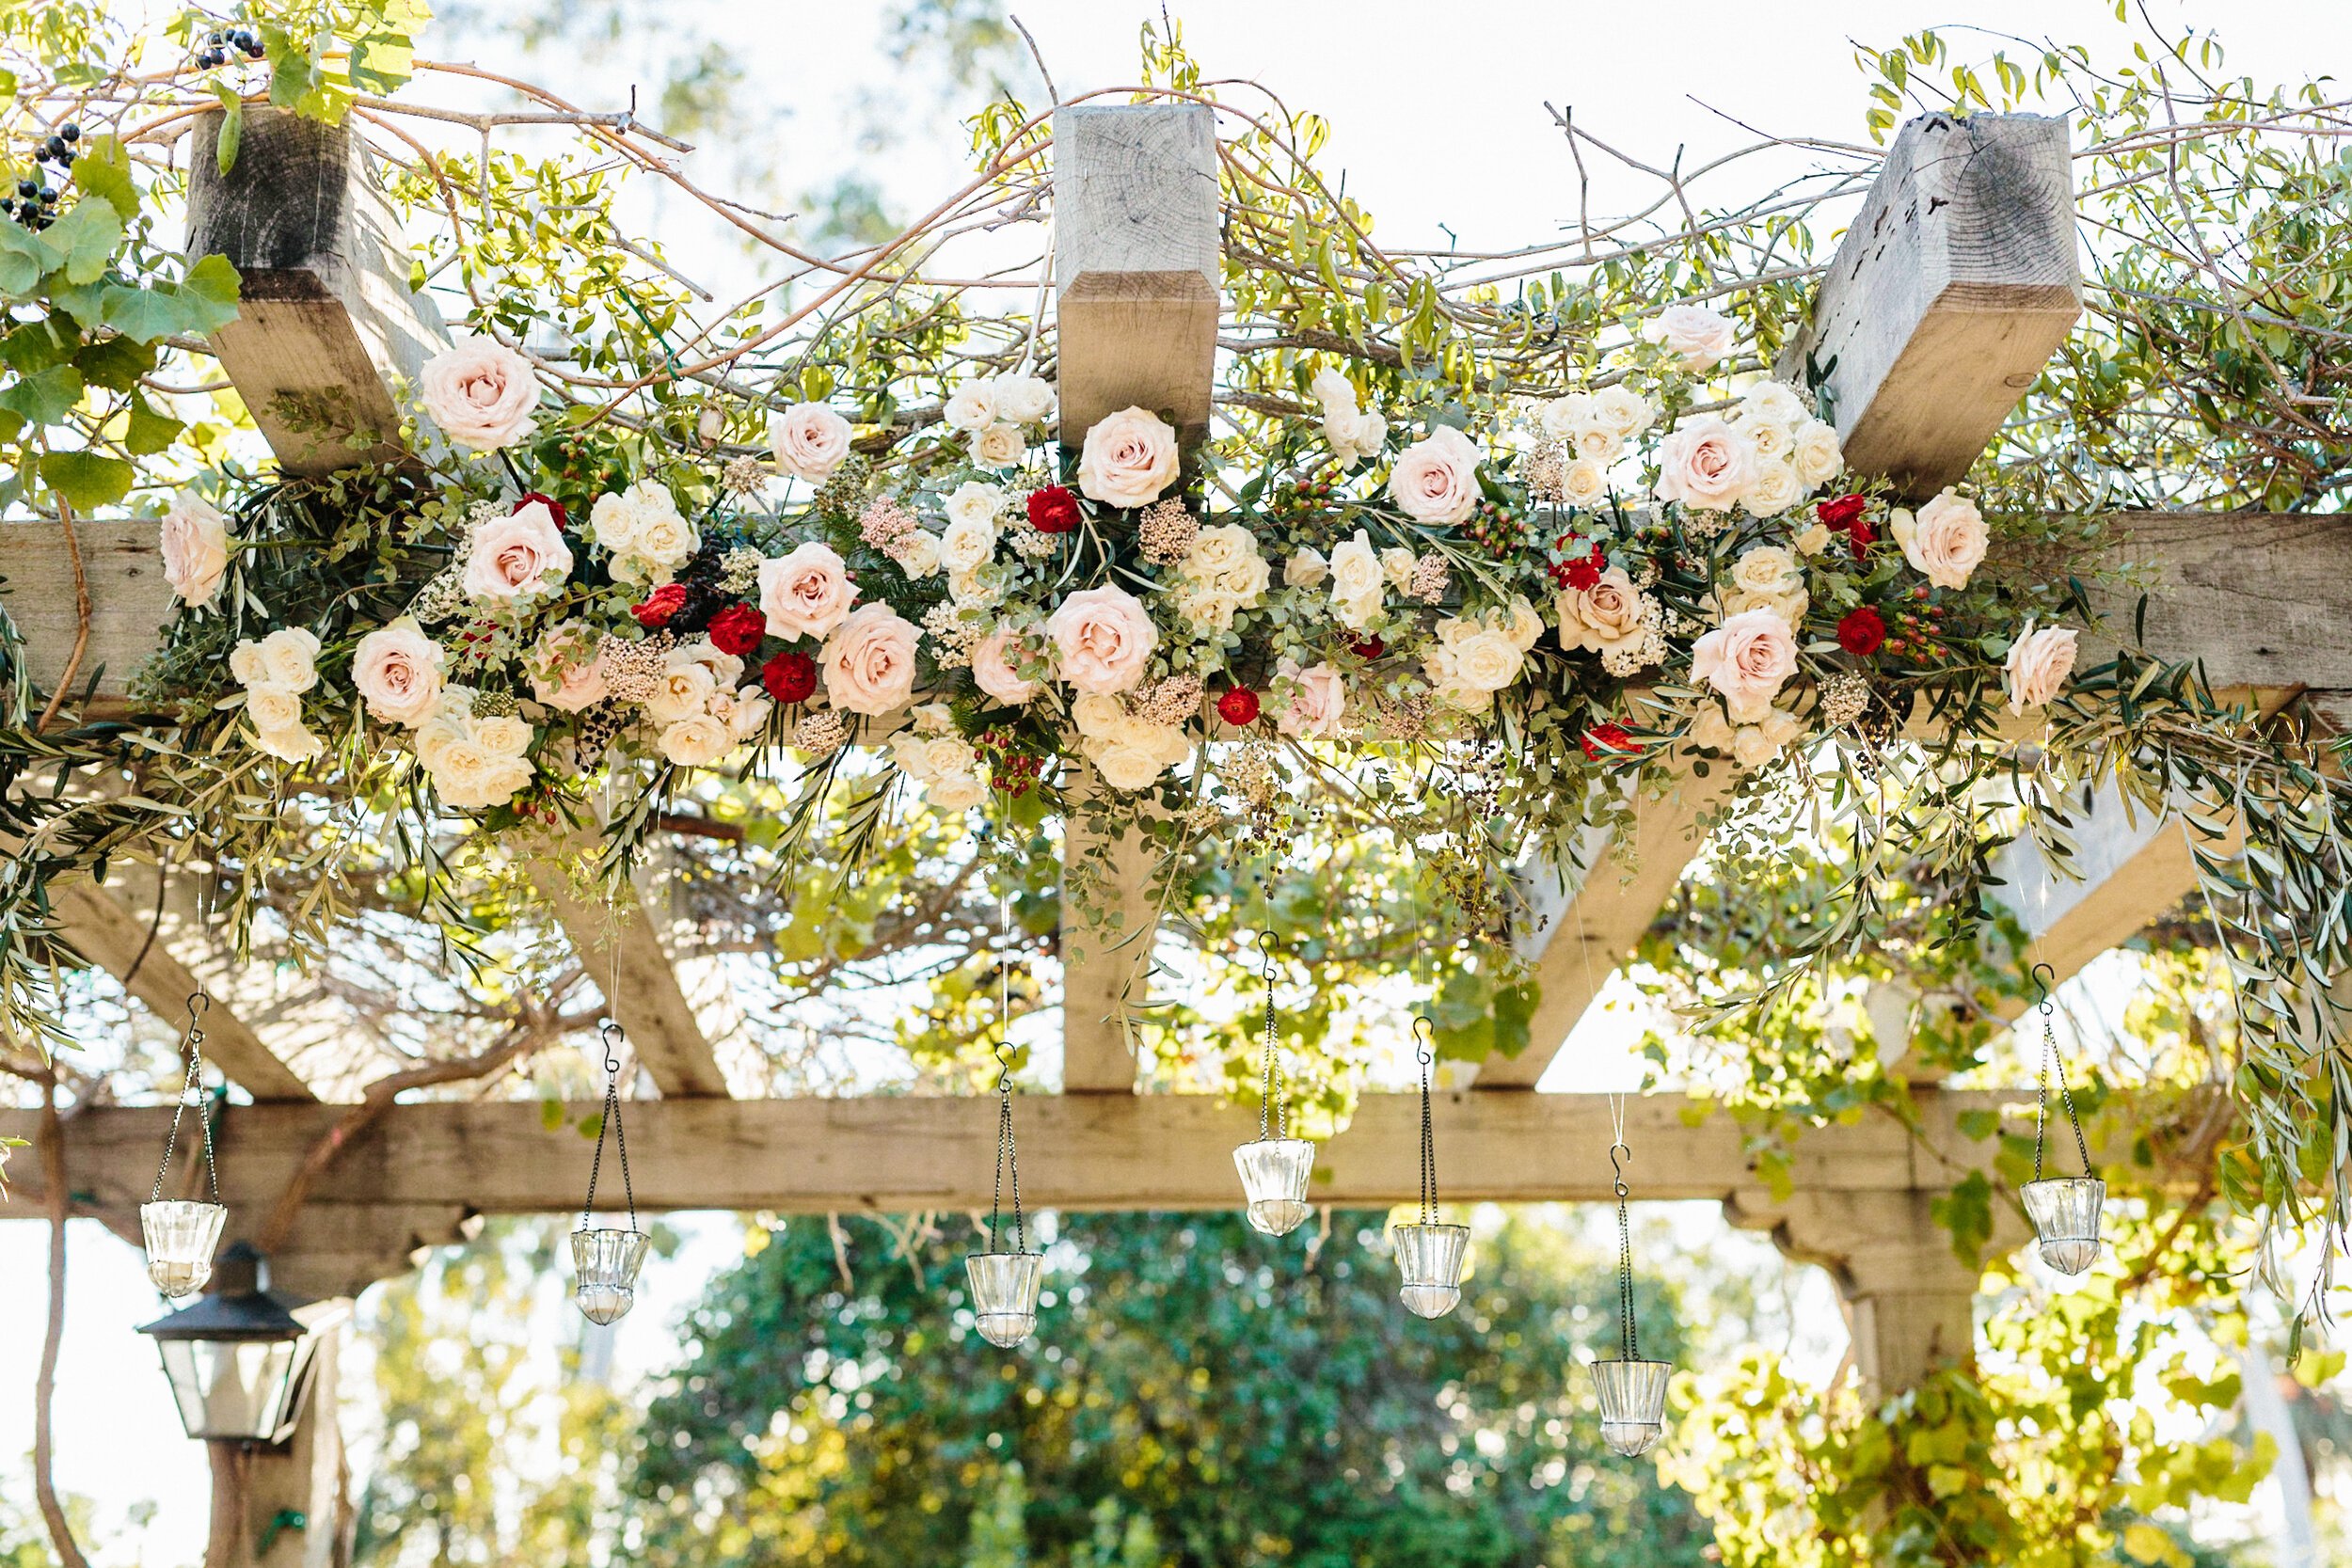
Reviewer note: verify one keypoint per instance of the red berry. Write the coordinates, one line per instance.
(737, 629)
(1861, 632)
(1238, 707)
(789, 677)
(1054, 509)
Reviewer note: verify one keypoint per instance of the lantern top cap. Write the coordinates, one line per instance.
(236, 1304)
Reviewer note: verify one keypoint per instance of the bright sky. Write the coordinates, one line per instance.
(1438, 120)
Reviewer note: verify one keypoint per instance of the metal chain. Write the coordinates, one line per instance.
(1279, 1115)
(612, 1122)
(191, 1093)
(1008, 1148)
(2050, 1058)
(1627, 1338)
(1424, 1033)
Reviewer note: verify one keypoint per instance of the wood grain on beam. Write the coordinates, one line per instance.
(1110, 925)
(630, 953)
(1955, 283)
(1136, 262)
(2274, 630)
(130, 602)
(326, 318)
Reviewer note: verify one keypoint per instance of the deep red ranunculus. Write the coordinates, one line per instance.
(1861, 632)
(659, 605)
(1053, 510)
(1368, 648)
(737, 629)
(1238, 707)
(555, 508)
(1842, 510)
(789, 677)
(1609, 741)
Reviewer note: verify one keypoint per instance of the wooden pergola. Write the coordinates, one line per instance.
(1955, 283)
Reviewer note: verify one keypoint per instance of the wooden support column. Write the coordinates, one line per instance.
(1109, 924)
(130, 601)
(286, 1507)
(1954, 285)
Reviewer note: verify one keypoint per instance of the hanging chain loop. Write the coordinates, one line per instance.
(2050, 1058)
(1274, 1106)
(1424, 1037)
(1007, 1150)
(191, 1093)
(1630, 1344)
(609, 1034)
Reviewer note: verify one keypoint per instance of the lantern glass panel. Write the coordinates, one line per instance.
(1632, 1404)
(2065, 1213)
(606, 1262)
(181, 1236)
(1005, 1287)
(236, 1389)
(1430, 1258)
(1273, 1177)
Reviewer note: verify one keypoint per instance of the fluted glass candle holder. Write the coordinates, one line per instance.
(2065, 1213)
(1004, 1293)
(606, 1262)
(1430, 1258)
(1632, 1404)
(180, 1236)
(1273, 1177)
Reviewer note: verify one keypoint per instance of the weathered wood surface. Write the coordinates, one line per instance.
(326, 318)
(2263, 598)
(1107, 940)
(130, 602)
(631, 952)
(1136, 263)
(1954, 284)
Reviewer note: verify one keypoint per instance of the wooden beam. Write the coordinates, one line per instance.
(1109, 926)
(1137, 263)
(2275, 629)
(1954, 284)
(632, 954)
(909, 1153)
(130, 602)
(2130, 865)
(326, 320)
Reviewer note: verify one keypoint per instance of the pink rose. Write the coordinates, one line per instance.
(1705, 463)
(810, 440)
(1129, 458)
(1745, 660)
(2039, 664)
(397, 669)
(993, 671)
(515, 556)
(1104, 637)
(869, 660)
(195, 548)
(481, 393)
(1318, 699)
(1701, 336)
(1945, 542)
(1436, 480)
(807, 593)
(566, 669)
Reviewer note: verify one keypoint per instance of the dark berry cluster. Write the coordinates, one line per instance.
(705, 594)
(1011, 770)
(218, 43)
(1496, 529)
(34, 203)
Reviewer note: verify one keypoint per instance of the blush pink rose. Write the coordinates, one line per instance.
(1699, 335)
(397, 670)
(2039, 664)
(807, 593)
(195, 549)
(516, 556)
(481, 393)
(1129, 458)
(1104, 637)
(567, 670)
(1436, 480)
(1705, 463)
(869, 660)
(993, 671)
(810, 441)
(1944, 541)
(1318, 700)
(1746, 660)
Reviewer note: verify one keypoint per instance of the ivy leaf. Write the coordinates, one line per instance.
(213, 281)
(23, 259)
(85, 240)
(104, 172)
(150, 430)
(46, 397)
(204, 302)
(86, 479)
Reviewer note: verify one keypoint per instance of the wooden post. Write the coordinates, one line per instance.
(327, 317)
(285, 1507)
(1955, 284)
(1105, 950)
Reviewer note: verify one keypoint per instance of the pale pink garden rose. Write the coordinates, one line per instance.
(194, 550)
(566, 668)
(1943, 541)
(1129, 459)
(517, 556)
(1746, 660)
(869, 660)
(481, 393)
(1104, 637)
(1435, 479)
(993, 671)
(2039, 664)
(397, 670)
(1705, 463)
(810, 441)
(1700, 337)
(1318, 698)
(807, 593)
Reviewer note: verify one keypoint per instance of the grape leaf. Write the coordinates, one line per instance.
(46, 397)
(86, 479)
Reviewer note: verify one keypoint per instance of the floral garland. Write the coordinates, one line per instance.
(1647, 572)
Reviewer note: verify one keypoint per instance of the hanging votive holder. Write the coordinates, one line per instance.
(1632, 1404)
(2065, 1211)
(1273, 1177)
(605, 1263)
(1429, 1259)
(181, 1235)
(1005, 1287)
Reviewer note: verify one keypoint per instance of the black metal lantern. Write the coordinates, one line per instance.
(240, 1360)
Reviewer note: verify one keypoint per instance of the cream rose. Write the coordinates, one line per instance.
(1746, 660)
(806, 591)
(1318, 698)
(287, 657)
(1604, 618)
(1701, 338)
(993, 671)
(1944, 541)
(481, 393)
(685, 687)
(1769, 570)
(695, 740)
(810, 441)
(2039, 664)
(1103, 637)
(1776, 489)
(869, 660)
(1623, 410)
(396, 668)
(974, 502)
(1357, 582)
(195, 546)
(1584, 483)
(1023, 398)
(917, 553)
(970, 407)
(1488, 660)
(1000, 446)
(1129, 459)
(1435, 479)
(1563, 417)
(1772, 402)
(293, 744)
(517, 556)
(1816, 454)
(1306, 568)
(966, 544)
(273, 707)
(1705, 463)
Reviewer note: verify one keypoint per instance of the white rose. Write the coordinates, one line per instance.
(505, 734)
(1597, 443)
(1772, 402)
(1128, 767)
(1767, 569)
(695, 740)
(1776, 489)
(1563, 417)
(1769, 440)
(1205, 607)
(1397, 566)
(1817, 456)
(975, 501)
(1814, 539)
(1097, 714)
(1355, 435)
(956, 792)
(1306, 569)
(968, 543)
(274, 707)
(684, 688)
(296, 744)
(1355, 581)
(1702, 339)
(1584, 483)
(917, 553)
(970, 407)
(195, 545)
(1488, 660)
(980, 587)
(1000, 446)
(1023, 398)
(289, 658)
(1623, 410)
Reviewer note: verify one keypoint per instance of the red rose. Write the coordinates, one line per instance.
(1859, 534)
(1861, 632)
(555, 508)
(737, 629)
(1840, 510)
(1053, 510)
(1585, 571)
(791, 677)
(1238, 707)
(662, 603)
(1370, 647)
(1609, 741)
